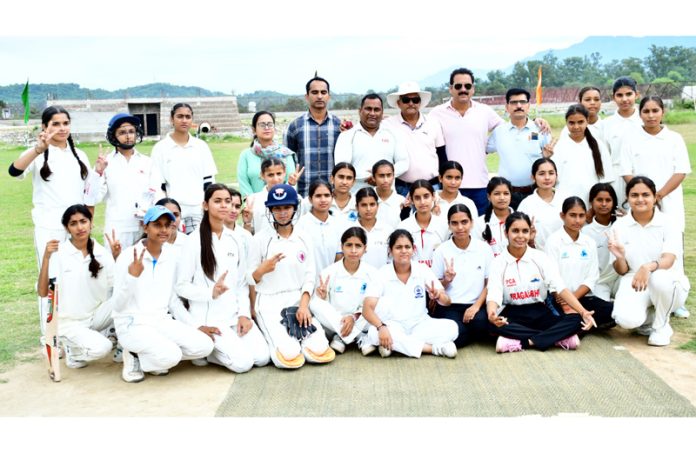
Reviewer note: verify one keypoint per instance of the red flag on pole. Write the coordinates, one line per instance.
(538, 89)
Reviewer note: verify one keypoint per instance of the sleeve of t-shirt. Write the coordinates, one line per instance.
(495, 281)
(401, 160)
(592, 275)
(210, 169)
(494, 120)
(552, 275)
(626, 164)
(438, 267)
(32, 167)
(681, 156)
(343, 151)
(491, 144)
(488, 259)
(607, 163)
(376, 288)
(672, 240)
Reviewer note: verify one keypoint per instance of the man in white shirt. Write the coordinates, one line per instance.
(368, 142)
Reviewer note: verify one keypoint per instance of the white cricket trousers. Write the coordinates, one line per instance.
(268, 308)
(163, 342)
(237, 353)
(41, 238)
(664, 292)
(409, 338)
(330, 319)
(84, 337)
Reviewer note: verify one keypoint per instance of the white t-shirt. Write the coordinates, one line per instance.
(577, 260)
(377, 252)
(325, 238)
(389, 210)
(346, 291)
(614, 128)
(262, 218)
(607, 274)
(499, 239)
(461, 199)
(428, 239)
(471, 266)
(546, 216)
(576, 171)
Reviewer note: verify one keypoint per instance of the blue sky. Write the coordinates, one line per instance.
(275, 45)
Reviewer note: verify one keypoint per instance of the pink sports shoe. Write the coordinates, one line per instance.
(507, 345)
(569, 343)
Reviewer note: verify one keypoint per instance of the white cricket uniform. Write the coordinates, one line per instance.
(525, 281)
(324, 237)
(461, 199)
(183, 170)
(596, 130)
(614, 129)
(499, 239)
(294, 275)
(426, 240)
(471, 265)
(608, 281)
(262, 219)
(345, 295)
(362, 149)
(141, 312)
(125, 188)
(64, 188)
(658, 157)
(401, 306)
(84, 305)
(576, 171)
(546, 215)
(389, 210)
(377, 250)
(236, 353)
(577, 260)
(667, 288)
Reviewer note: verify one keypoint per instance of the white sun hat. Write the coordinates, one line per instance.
(406, 88)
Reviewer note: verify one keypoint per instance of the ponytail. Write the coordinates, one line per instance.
(94, 265)
(45, 171)
(487, 234)
(596, 155)
(208, 262)
(83, 168)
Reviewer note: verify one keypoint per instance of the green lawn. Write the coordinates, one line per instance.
(18, 312)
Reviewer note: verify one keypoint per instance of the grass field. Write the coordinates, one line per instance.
(18, 312)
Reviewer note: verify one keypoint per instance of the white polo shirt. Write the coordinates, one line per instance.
(125, 188)
(193, 285)
(599, 232)
(421, 143)
(64, 188)
(576, 171)
(79, 295)
(295, 272)
(524, 281)
(182, 169)
(499, 239)
(518, 148)
(324, 237)
(377, 252)
(546, 216)
(346, 291)
(347, 212)
(461, 199)
(614, 128)
(471, 265)
(658, 157)
(428, 239)
(360, 148)
(403, 302)
(389, 210)
(262, 219)
(577, 260)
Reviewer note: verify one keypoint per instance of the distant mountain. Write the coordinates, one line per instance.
(41, 91)
(442, 77)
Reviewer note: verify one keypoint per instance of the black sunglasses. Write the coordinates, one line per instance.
(458, 86)
(407, 99)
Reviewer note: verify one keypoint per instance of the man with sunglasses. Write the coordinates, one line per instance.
(423, 139)
(519, 143)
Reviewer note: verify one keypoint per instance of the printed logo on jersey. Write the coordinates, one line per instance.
(564, 255)
(584, 254)
(301, 256)
(535, 279)
(510, 282)
(521, 295)
(339, 289)
(353, 216)
(279, 194)
(418, 292)
(363, 288)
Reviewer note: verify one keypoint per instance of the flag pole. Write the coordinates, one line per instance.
(538, 92)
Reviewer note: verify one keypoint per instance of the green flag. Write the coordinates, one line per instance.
(25, 101)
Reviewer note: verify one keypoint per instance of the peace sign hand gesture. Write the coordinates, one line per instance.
(434, 294)
(323, 288)
(248, 210)
(114, 243)
(615, 247)
(293, 178)
(42, 143)
(101, 163)
(220, 286)
(450, 273)
(548, 148)
(136, 267)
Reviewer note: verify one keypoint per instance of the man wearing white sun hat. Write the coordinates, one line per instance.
(423, 137)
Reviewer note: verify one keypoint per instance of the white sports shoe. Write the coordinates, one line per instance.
(661, 336)
(365, 347)
(681, 312)
(448, 349)
(384, 352)
(71, 361)
(131, 368)
(337, 344)
(118, 354)
(200, 362)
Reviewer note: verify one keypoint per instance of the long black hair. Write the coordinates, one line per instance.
(208, 261)
(94, 265)
(492, 184)
(46, 117)
(591, 141)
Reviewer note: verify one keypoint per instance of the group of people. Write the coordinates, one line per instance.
(388, 234)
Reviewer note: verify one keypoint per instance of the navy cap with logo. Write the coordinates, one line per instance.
(282, 195)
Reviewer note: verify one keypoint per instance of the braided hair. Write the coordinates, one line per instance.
(46, 117)
(94, 265)
(492, 184)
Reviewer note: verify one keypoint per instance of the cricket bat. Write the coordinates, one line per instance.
(52, 344)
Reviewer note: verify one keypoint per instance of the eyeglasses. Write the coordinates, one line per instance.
(519, 102)
(458, 86)
(413, 99)
(265, 125)
(124, 133)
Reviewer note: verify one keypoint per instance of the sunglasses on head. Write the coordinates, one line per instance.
(458, 86)
(413, 99)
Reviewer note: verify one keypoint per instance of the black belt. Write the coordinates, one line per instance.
(523, 189)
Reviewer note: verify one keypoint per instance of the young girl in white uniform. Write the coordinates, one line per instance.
(575, 254)
(395, 307)
(461, 263)
(581, 159)
(84, 272)
(125, 178)
(428, 230)
(281, 264)
(184, 165)
(544, 204)
(519, 281)
(338, 299)
(60, 178)
(390, 203)
(377, 231)
(176, 238)
(591, 98)
(604, 205)
(244, 236)
(321, 227)
(451, 174)
(646, 249)
(212, 277)
(492, 222)
(343, 202)
(143, 298)
(256, 217)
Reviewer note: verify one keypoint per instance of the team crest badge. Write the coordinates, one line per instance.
(279, 194)
(363, 287)
(301, 256)
(418, 292)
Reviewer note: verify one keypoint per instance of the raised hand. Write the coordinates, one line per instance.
(114, 244)
(548, 148)
(51, 246)
(101, 163)
(293, 178)
(323, 288)
(248, 210)
(136, 267)
(450, 273)
(220, 286)
(614, 245)
(269, 265)
(43, 140)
